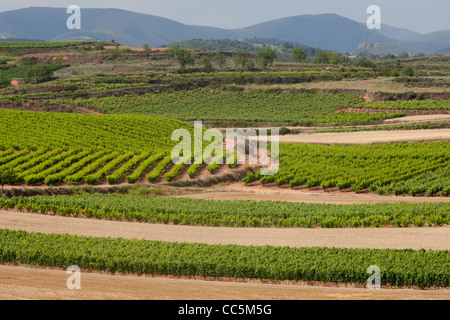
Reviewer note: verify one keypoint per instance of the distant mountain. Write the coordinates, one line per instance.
(445, 51)
(325, 31)
(125, 27)
(398, 34)
(431, 42)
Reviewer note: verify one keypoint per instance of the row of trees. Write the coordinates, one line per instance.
(242, 59)
(265, 57)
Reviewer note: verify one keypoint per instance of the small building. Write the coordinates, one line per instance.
(17, 82)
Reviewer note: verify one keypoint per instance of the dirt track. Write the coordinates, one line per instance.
(29, 283)
(389, 238)
(372, 85)
(369, 137)
(237, 191)
(422, 118)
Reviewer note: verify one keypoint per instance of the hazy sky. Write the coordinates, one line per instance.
(418, 15)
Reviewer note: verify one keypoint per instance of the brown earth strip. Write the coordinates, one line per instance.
(364, 137)
(238, 191)
(383, 238)
(29, 283)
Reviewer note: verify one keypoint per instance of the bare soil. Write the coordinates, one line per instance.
(382, 238)
(369, 137)
(371, 85)
(420, 119)
(30, 283)
(258, 192)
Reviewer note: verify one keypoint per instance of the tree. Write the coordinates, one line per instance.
(266, 56)
(39, 73)
(147, 50)
(299, 55)
(220, 59)
(286, 45)
(7, 177)
(183, 56)
(327, 57)
(403, 55)
(408, 71)
(241, 58)
(206, 64)
(114, 54)
(365, 63)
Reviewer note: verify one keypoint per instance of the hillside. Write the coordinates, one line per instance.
(325, 31)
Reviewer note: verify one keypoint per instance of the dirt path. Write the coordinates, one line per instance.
(30, 283)
(238, 191)
(372, 85)
(421, 119)
(385, 238)
(368, 137)
(410, 120)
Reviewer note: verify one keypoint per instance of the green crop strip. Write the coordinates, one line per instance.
(257, 105)
(240, 213)
(375, 167)
(398, 267)
(32, 130)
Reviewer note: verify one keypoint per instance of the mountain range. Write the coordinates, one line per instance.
(325, 31)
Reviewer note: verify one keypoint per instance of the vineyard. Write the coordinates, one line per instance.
(185, 211)
(258, 105)
(379, 168)
(74, 166)
(422, 268)
(92, 141)
(32, 130)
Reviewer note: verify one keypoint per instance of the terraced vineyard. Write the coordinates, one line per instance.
(33, 130)
(257, 105)
(143, 97)
(405, 168)
(54, 148)
(74, 166)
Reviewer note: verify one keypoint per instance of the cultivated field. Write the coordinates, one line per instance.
(364, 177)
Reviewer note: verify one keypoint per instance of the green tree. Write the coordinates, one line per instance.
(299, 55)
(403, 55)
(242, 58)
(7, 177)
(183, 56)
(38, 74)
(408, 71)
(147, 50)
(114, 54)
(220, 59)
(328, 57)
(364, 62)
(205, 62)
(386, 69)
(266, 56)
